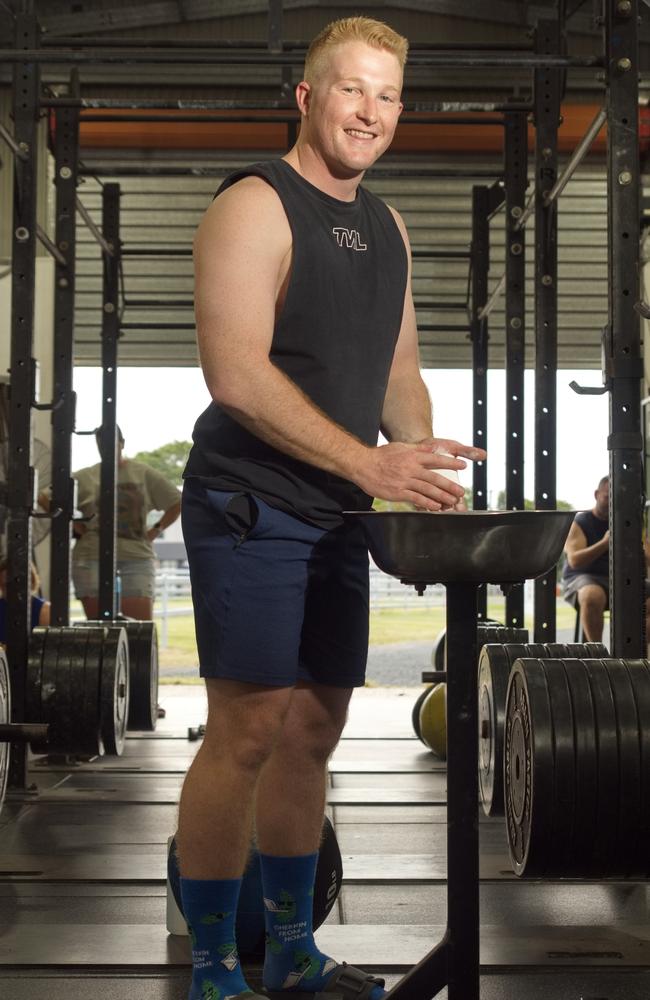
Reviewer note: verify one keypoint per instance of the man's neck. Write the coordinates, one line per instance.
(309, 165)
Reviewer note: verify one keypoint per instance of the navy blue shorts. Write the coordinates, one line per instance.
(276, 600)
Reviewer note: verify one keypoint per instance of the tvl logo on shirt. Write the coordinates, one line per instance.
(349, 238)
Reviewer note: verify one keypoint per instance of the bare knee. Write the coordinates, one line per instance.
(592, 598)
(314, 722)
(244, 723)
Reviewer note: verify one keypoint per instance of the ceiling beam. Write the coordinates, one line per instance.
(169, 12)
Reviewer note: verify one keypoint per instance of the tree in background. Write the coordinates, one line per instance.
(169, 460)
(528, 504)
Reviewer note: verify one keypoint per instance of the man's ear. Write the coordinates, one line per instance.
(303, 97)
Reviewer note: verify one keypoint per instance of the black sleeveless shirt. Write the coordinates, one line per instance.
(594, 529)
(335, 338)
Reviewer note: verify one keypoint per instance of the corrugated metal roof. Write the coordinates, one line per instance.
(162, 212)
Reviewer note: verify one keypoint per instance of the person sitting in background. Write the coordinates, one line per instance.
(40, 610)
(586, 572)
(140, 490)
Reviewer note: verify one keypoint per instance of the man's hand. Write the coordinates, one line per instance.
(417, 473)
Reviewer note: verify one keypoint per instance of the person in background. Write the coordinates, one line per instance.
(40, 611)
(140, 490)
(585, 579)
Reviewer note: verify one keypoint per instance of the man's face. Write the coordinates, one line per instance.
(353, 108)
(602, 501)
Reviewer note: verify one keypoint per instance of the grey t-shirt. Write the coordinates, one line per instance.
(140, 489)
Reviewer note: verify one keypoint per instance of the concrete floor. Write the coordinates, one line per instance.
(83, 862)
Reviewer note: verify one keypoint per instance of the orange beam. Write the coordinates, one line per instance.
(410, 137)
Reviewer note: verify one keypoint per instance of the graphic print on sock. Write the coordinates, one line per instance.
(210, 908)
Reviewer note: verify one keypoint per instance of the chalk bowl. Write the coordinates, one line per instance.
(470, 547)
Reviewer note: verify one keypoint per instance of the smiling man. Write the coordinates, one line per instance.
(308, 343)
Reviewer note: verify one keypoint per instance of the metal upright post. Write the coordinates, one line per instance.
(63, 416)
(108, 436)
(479, 336)
(20, 477)
(516, 180)
(275, 25)
(624, 366)
(547, 115)
(463, 915)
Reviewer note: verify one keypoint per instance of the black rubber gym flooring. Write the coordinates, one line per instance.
(83, 863)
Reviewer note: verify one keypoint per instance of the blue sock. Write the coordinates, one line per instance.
(210, 908)
(292, 960)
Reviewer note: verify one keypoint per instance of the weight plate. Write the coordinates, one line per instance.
(586, 651)
(605, 833)
(438, 651)
(560, 846)
(415, 713)
(48, 682)
(534, 650)
(503, 634)
(492, 703)
(586, 769)
(114, 690)
(143, 667)
(5, 718)
(433, 720)
(528, 767)
(35, 674)
(65, 715)
(493, 673)
(556, 650)
(77, 666)
(640, 677)
(629, 766)
(90, 720)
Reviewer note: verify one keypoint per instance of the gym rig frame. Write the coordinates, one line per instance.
(621, 351)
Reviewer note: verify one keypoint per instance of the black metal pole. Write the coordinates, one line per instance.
(275, 43)
(463, 918)
(20, 474)
(480, 263)
(516, 180)
(455, 960)
(623, 357)
(108, 436)
(63, 417)
(547, 114)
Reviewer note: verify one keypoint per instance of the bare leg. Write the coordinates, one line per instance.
(592, 600)
(291, 790)
(140, 608)
(217, 801)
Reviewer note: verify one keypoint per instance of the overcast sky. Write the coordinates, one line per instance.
(159, 405)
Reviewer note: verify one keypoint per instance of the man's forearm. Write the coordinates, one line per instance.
(581, 558)
(406, 414)
(273, 408)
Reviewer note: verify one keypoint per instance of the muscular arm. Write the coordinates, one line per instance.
(406, 415)
(579, 554)
(242, 251)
